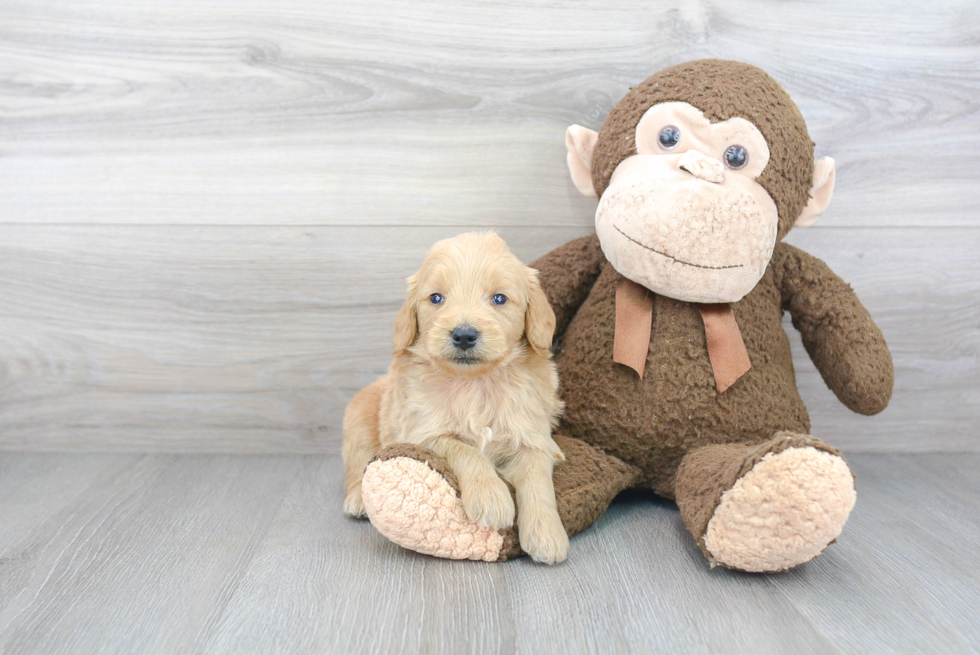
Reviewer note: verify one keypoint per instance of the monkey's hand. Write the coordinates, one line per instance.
(567, 274)
(843, 341)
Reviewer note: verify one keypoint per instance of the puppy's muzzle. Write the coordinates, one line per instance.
(464, 337)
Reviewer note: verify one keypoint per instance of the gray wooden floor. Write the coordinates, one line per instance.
(250, 553)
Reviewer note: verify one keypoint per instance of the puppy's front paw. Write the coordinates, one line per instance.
(487, 501)
(543, 537)
(354, 504)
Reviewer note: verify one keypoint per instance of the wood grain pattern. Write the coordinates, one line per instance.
(149, 551)
(206, 215)
(254, 339)
(36, 486)
(911, 527)
(444, 113)
(206, 212)
(328, 597)
(251, 554)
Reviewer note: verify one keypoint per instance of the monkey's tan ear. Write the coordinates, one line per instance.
(407, 322)
(580, 142)
(539, 317)
(824, 176)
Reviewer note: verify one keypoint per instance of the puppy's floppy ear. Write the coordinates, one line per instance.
(540, 318)
(407, 322)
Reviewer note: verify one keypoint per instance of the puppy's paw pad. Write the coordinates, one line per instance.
(545, 540)
(488, 502)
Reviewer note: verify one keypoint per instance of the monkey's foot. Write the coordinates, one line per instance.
(413, 499)
(783, 512)
(768, 507)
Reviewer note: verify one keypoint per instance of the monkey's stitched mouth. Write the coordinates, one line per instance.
(679, 261)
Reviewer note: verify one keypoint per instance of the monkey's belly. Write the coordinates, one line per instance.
(652, 423)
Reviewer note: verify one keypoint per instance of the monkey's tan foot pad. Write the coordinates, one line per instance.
(412, 498)
(785, 511)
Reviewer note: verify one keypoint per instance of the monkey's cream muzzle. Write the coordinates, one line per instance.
(684, 227)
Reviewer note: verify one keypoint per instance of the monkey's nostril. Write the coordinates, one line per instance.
(464, 336)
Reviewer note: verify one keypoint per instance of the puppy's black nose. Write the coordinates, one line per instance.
(465, 336)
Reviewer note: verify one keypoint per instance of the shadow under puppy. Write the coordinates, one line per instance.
(472, 380)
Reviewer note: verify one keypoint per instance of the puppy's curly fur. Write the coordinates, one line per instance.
(485, 409)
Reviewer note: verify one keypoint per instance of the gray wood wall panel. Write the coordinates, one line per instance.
(448, 113)
(207, 211)
(253, 339)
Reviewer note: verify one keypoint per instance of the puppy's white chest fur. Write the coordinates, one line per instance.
(476, 410)
(498, 413)
(473, 413)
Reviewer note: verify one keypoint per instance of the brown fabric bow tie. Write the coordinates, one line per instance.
(634, 318)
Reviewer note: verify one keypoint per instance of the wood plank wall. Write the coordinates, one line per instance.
(207, 210)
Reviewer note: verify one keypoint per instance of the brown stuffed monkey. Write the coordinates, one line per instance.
(674, 367)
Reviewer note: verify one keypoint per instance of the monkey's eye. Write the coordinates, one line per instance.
(498, 299)
(436, 299)
(669, 137)
(736, 157)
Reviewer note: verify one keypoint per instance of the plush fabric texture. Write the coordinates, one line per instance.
(702, 166)
(726, 349)
(424, 455)
(634, 317)
(412, 502)
(587, 481)
(707, 473)
(685, 238)
(783, 512)
(651, 423)
(722, 90)
(412, 498)
(754, 488)
(687, 440)
(675, 412)
(572, 270)
(841, 338)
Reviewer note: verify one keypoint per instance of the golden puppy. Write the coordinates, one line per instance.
(473, 381)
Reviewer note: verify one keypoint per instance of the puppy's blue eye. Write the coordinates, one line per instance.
(436, 299)
(499, 299)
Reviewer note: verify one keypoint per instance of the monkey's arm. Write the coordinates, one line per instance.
(843, 341)
(567, 273)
